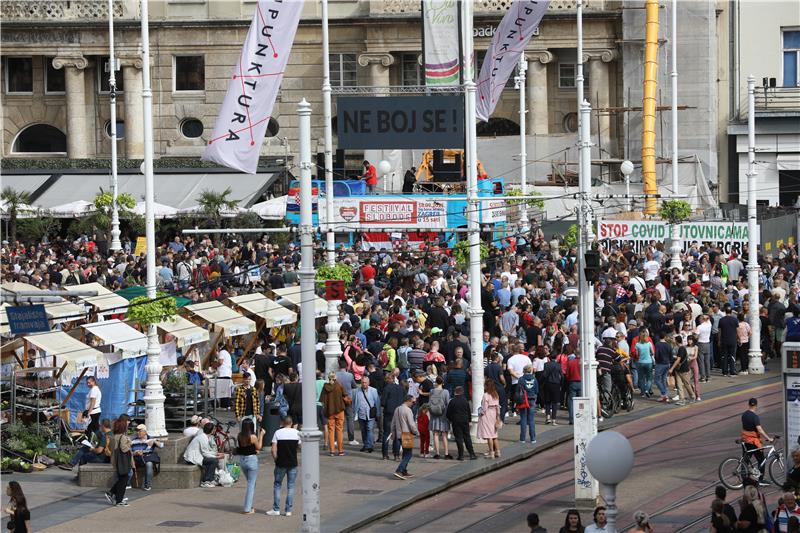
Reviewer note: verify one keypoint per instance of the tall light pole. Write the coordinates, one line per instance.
(627, 169)
(609, 457)
(153, 392)
(519, 82)
(675, 245)
(112, 92)
(473, 210)
(755, 366)
(333, 349)
(309, 434)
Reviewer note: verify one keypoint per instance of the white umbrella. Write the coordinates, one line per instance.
(274, 209)
(160, 210)
(23, 210)
(78, 208)
(197, 210)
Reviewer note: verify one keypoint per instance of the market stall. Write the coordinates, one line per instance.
(292, 297)
(125, 341)
(267, 313)
(223, 321)
(105, 303)
(60, 312)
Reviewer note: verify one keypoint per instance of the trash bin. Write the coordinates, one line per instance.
(270, 421)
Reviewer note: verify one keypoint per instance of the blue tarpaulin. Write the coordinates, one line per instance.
(123, 376)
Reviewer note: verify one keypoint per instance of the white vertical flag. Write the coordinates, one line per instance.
(442, 46)
(247, 108)
(508, 43)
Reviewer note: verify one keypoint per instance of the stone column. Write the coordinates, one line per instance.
(77, 123)
(378, 64)
(599, 94)
(134, 112)
(538, 117)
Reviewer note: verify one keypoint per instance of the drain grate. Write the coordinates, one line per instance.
(178, 523)
(363, 491)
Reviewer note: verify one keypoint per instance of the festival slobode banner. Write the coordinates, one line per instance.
(729, 236)
(442, 52)
(509, 41)
(243, 118)
(352, 214)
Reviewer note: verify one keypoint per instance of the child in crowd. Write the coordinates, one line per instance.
(424, 435)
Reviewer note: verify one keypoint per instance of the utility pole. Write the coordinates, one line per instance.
(755, 366)
(675, 244)
(473, 210)
(112, 93)
(309, 434)
(333, 350)
(153, 392)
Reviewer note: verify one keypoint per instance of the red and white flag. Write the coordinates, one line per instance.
(508, 43)
(247, 108)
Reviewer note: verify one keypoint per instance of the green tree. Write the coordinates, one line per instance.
(571, 237)
(14, 200)
(675, 211)
(213, 204)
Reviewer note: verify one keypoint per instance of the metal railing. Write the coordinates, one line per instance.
(777, 99)
(394, 90)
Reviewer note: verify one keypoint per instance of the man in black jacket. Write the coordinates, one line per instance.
(459, 415)
(392, 397)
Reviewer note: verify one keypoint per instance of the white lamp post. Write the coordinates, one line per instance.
(755, 366)
(384, 169)
(519, 84)
(627, 169)
(609, 457)
(112, 92)
(675, 246)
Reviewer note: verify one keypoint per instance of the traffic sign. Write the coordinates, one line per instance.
(27, 319)
(334, 289)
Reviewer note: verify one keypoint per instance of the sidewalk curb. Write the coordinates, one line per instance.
(436, 482)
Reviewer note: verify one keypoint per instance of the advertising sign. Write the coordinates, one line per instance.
(401, 122)
(729, 236)
(27, 319)
(373, 214)
(442, 50)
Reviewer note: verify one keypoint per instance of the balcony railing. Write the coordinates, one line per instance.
(58, 10)
(777, 100)
(482, 7)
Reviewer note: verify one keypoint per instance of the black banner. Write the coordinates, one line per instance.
(428, 122)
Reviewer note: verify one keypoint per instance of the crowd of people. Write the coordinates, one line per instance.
(404, 379)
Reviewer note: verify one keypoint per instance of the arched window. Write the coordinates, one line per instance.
(497, 127)
(40, 138)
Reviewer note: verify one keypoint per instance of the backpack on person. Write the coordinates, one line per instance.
(402, 357)
(520, 395)
(436, 402)
(383, 358)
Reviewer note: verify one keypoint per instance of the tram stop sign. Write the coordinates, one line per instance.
(334, 289)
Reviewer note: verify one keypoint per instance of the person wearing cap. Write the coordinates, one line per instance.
(195, 426)
(246, 404)
(144, 454)
(752, 432)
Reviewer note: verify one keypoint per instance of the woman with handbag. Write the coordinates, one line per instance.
(404, 428)
(489, 421)
(527, 391)
(20, 521)
(334, 399)
(439, 425)
(121, 461)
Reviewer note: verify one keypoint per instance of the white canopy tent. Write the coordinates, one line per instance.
(198, 210)
(160, 210)
(75, 209)
(222, 318)
(274, 209)
(23, 210)
(293, 297)
(57, 312)
(105, 303)
(66, 349)
(259, 305)
(130, 342)
(186, 333)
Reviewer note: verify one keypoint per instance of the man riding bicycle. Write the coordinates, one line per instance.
(752, 433)
(623, 381)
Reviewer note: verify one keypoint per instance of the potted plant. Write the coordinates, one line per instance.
(339, 271)
(675, 212)
(461, 252)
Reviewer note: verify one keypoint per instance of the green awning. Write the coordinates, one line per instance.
(129, 293)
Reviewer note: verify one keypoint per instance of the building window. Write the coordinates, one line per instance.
(189, 73)
(120, 129)
(411, 73)
(343, 70)
(40, 138)
(53, 79)
(103, 72)
(791, 58)
(567, 73)
(19, 75)
(273, 127)
(191, 128)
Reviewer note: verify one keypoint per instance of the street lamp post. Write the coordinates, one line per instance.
(333, 350)
(627, 169)
(519, 83)
(755, 366)
(153, 392)
(309, 434)
(609, 457)
(112, 93)
(675, 241)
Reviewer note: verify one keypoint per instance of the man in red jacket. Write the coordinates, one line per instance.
(370, 176)
(573, 376)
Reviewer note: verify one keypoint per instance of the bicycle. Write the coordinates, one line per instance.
(734, 470)
(226, 443)
(613, 402)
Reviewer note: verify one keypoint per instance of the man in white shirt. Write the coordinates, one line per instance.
(703, 333)
(516, 364)
(599, 524)
(93, 399)
(651, 268)
(224, 373)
